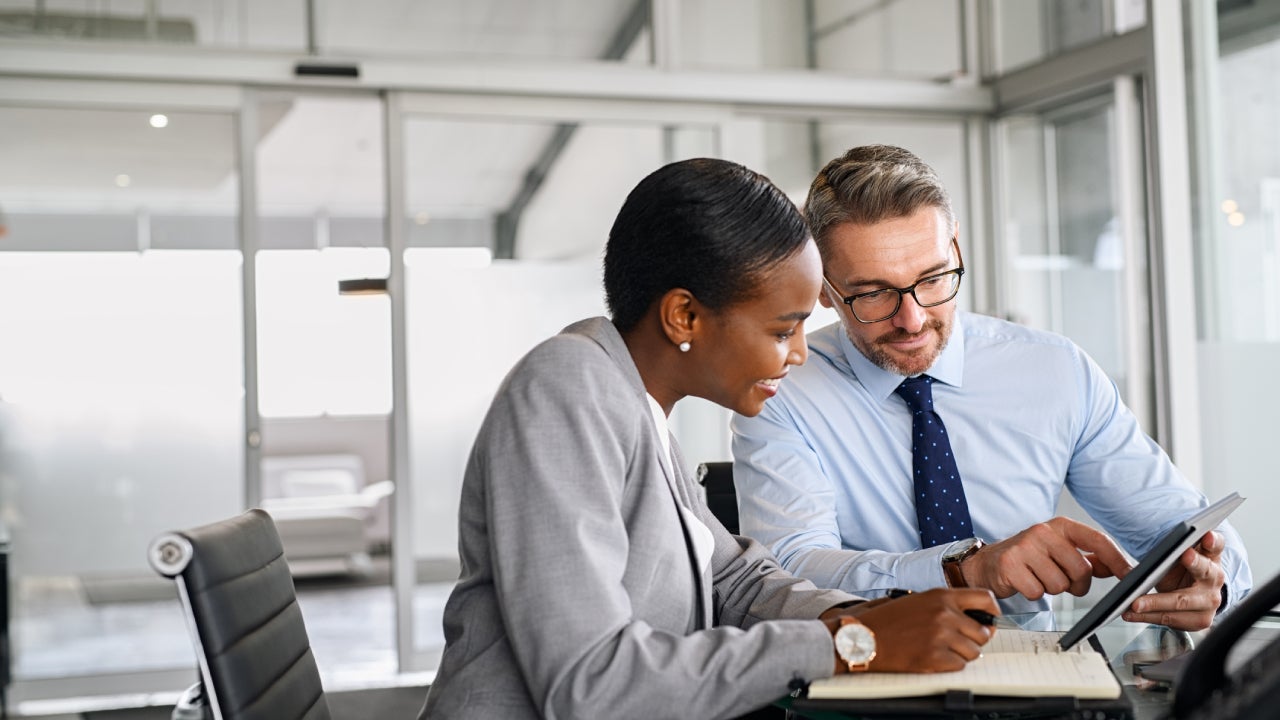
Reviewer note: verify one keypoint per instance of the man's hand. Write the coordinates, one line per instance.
(923, 632)
(1045, 559)
(1188, 596)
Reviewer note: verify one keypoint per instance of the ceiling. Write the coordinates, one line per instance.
(318, 154)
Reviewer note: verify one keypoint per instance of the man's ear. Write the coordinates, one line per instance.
(678, 315)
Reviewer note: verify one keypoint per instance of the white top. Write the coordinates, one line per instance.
(703, 541)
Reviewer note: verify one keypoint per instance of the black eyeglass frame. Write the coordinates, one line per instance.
(957, 271)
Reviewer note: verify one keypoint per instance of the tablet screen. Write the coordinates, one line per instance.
(1154, 565)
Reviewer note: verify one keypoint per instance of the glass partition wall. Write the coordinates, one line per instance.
(121, 372)
(1235, 112)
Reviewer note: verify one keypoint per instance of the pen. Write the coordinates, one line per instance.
(981, 616)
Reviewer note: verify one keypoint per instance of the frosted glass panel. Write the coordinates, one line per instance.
(321, 353)
(121, 416)
(467, 326)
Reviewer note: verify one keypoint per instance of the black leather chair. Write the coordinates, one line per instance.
(254, 655)
(722, 498)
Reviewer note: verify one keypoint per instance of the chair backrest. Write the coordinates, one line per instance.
(722, 498)
(252, 646)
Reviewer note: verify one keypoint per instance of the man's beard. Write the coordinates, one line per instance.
(913, 364)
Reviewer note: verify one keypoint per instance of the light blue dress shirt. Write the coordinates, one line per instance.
(823, 474)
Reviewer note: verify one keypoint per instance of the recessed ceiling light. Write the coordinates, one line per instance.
(159, 121)
(123, 180)
(422, 218)
(1229, 206)
(1235, 219)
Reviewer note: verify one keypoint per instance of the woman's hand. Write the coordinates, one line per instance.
(922, 632)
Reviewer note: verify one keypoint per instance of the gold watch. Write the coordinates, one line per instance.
(958, 553)
(855, 644)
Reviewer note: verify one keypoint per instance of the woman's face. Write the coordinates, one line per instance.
(745, 350)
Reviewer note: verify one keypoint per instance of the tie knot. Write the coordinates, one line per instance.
(918, 392)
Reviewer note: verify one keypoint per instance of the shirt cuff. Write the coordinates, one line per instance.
(922, 569)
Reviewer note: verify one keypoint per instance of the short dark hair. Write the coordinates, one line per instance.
(871, 184)
(709, 226)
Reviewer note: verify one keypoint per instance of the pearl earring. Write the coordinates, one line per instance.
(684, 346)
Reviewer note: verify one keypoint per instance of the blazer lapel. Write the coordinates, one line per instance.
(678, 483)
(602, 331)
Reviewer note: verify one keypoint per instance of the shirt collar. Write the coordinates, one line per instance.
(948, 368)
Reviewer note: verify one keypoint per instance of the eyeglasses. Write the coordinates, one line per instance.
(877, 305)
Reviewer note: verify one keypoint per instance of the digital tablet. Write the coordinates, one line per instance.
(1154, 565)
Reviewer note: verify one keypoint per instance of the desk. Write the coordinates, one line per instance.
(1127, 645)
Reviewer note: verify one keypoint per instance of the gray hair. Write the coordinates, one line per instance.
(871, 184)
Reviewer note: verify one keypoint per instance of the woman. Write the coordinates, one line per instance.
(595, 583)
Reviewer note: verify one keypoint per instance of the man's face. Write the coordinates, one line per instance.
(893, 254)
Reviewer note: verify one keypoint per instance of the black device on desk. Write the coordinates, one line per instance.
(1153, 566)
(1205, 690)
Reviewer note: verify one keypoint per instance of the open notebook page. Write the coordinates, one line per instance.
(1017, 663)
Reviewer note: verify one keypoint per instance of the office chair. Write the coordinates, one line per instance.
(236, 591)
(722, 498)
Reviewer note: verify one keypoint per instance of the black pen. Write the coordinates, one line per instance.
(981, 616)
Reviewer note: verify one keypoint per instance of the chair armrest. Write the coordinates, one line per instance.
(192, 705)
(374, 492)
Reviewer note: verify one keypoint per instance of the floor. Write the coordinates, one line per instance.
(62, 631)
(400, 703)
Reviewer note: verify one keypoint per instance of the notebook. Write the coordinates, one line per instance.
(1016, 663)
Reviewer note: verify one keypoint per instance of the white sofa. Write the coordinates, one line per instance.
(327, 515)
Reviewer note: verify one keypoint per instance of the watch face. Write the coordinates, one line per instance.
(855, 644)
(961, 548)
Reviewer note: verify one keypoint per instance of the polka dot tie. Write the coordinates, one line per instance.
(941, 509)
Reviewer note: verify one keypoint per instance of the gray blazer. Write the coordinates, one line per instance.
(579, 595)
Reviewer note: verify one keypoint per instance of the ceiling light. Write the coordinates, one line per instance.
(123, 180)
(421, 218)
(159, 121)
(1229, 206)
(1235, 219)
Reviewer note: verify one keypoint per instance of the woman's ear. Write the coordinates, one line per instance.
(824, 297)
(677, 315)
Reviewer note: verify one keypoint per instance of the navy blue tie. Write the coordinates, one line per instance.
(942, 511)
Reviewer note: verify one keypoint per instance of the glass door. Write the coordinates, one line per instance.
(322, 362)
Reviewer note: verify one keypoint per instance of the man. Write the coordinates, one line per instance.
(953, 478)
